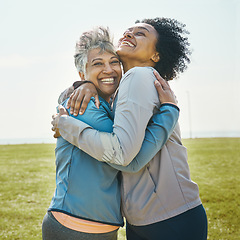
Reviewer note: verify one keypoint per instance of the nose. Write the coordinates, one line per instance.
(128, 34)
(107, 69)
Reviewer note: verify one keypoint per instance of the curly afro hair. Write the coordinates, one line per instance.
(172, 46)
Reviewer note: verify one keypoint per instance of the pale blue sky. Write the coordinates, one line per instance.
(37, 40)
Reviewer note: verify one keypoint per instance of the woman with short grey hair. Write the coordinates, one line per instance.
(96, 38)
(80, 207)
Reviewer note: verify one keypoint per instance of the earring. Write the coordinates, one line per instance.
(156, 57)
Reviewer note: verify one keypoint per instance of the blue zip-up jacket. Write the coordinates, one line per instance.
(89, 189)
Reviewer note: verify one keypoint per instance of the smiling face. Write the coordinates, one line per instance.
(137, 46)
(104, 70)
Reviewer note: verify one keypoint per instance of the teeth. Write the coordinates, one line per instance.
(107, 80)
(127, 43)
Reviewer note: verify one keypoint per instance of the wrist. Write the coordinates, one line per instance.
(79, 83)
(170, 104)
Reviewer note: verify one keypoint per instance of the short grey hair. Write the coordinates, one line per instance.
(99, 37)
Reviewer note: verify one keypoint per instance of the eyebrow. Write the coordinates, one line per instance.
(140, 28)
(97, 59)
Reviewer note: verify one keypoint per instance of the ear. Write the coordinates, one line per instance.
(82, 76)
(155, 58)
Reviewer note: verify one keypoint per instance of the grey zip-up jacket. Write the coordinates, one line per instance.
(163, 188)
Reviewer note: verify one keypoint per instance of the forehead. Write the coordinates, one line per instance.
(99, 53)
(144, 26)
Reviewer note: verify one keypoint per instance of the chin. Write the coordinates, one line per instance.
(121, 50)
(121, 53)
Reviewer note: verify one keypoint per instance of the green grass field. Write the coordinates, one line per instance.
(28, 181)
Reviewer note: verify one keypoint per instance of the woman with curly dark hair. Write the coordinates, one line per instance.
(160, 201)
(172, 46)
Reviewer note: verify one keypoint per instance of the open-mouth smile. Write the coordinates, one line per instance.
(107, 80)
(127, 43)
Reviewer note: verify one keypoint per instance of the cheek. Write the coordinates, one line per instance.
(118, 69)
(154, 45)
(92, 75)
(119, 72)
(150, 48)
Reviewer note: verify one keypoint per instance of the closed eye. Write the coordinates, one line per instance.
(115, 62)
(140, 34)
(97, 64)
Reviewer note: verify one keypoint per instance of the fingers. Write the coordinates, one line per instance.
(85, 102)
(157, 75)
(70, 100)
(55, 130)
(76, 101)
(167, 84)
(97, 102)
(158, 85)
(163, 82)
(57, 133)
(54, 124)
(61, 110)
(84, 105)
(80, 98)
(165, 93)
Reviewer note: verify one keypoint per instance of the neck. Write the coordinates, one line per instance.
(107, 98)
(127, 65)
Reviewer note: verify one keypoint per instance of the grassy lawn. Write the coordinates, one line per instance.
(215, 166)
(28, 181)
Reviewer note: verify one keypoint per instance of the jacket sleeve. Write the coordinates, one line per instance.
(157, 133)
(135, 105)
(95, 118)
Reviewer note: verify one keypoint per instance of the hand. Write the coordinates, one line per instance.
(56, 133)
(81, 97)
(165, 93)
(55, 117)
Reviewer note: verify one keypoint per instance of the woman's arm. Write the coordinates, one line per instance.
(156, 135)
(133, 112)
(79, 95)
(100, 118)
